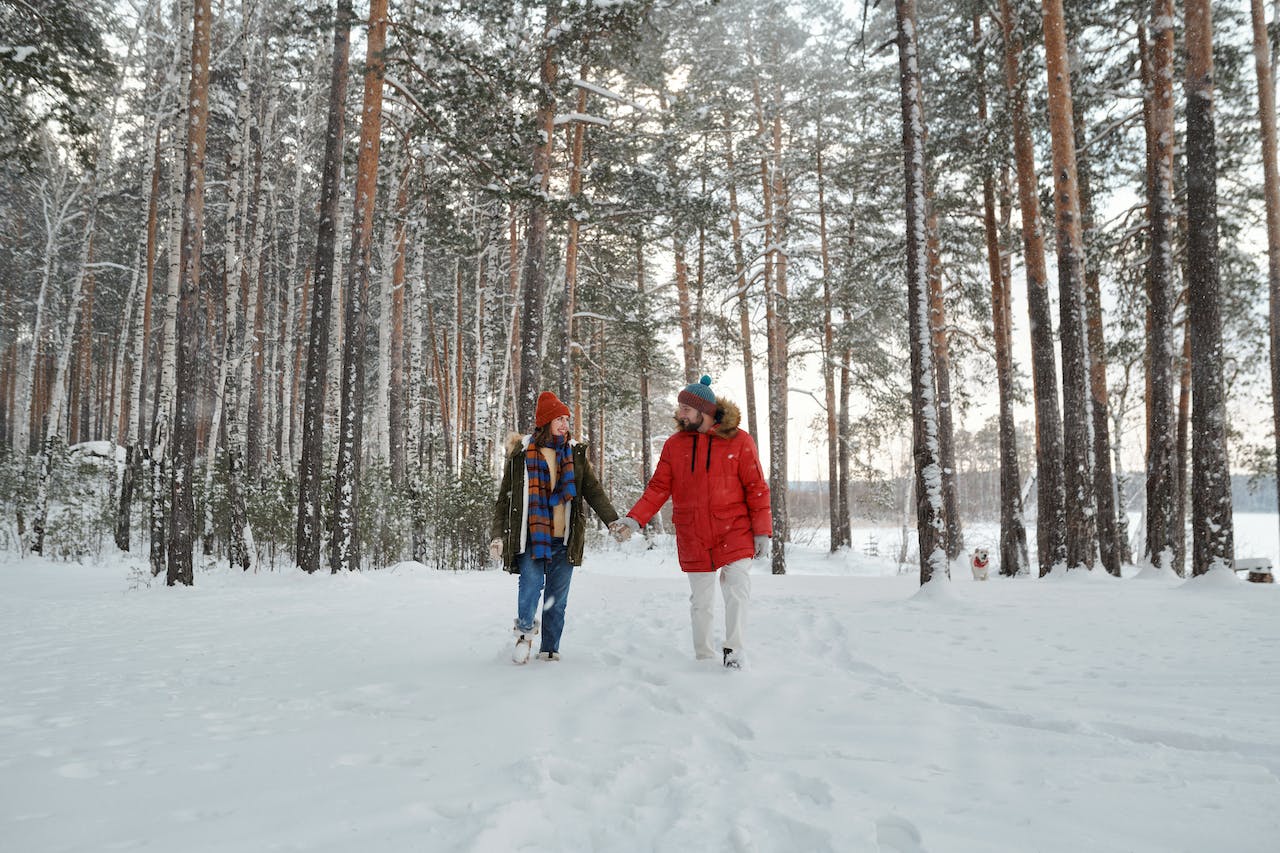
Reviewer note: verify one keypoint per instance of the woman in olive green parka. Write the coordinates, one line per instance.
(539, 521)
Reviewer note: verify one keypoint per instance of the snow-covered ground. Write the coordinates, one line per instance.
(379, 711)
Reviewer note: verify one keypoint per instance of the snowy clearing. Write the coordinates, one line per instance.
(379, 711)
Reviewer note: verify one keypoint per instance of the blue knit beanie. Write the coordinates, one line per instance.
(699, 395)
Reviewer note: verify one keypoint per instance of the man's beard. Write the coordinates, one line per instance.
(690, 426)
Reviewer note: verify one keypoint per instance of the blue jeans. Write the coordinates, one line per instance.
(555, 573)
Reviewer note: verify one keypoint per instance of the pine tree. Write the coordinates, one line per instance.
(1051, 532)
(182, 522)
(928, 468)
(1163, 533)
(1211, 526)
(345, 555)
(1077, 461)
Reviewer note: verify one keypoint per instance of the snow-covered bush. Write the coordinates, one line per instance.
(82, 483)
(271, 506)
(453, 512)
(384, 513)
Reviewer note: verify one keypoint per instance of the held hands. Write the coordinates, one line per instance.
(623, 528)
(495, 550)
(762, 547)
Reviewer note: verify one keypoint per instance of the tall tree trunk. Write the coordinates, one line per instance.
(1182, 450)
(1104, 488)
(245, 305)
(58, 212)
(1163, 536)
(253, 366)
(924, 418)
(1013, 533)
(1051, 534)
(939, 348)
(740, 270)
(182, 523)
(1212, 534)
(138, 359)
(846, 382)
(346, 508)
(829, 363)
(646, 428)
(310, 526)
(1271, 191)
(774, 193)
(396, 383)
(1077, 462)
(534, 278)
(161, 419)
(569, 374)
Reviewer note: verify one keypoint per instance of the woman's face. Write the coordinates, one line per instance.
(560, 426)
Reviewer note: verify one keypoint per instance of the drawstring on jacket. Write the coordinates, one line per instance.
(693, 457)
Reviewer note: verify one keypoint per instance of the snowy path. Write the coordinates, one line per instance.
(379, 712)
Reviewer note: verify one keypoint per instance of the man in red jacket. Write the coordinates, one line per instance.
(720, 507)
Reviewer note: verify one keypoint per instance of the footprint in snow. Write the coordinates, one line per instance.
(898, 835)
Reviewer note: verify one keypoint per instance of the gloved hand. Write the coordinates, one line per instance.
(762, 547)
(495, 549)
(624, 527)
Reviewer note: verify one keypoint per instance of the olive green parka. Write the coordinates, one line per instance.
(510, 511)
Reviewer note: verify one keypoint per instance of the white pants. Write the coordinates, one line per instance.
(735, 584)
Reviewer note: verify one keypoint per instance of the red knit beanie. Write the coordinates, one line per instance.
(549, 408)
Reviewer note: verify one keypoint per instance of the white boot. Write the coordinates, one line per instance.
(524, 642)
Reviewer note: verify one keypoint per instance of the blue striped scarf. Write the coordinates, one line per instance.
(542, 500)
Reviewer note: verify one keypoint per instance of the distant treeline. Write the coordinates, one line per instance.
(885, 500)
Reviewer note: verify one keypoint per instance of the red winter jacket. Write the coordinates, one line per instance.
(719, 497)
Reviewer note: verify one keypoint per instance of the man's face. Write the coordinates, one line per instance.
(689, 418)
(560, 426)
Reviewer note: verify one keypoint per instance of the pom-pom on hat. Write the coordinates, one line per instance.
(699, 395)
(549, 408)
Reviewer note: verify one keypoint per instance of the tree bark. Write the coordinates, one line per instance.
(1051, 541)
(396, 384)
(346, 508)
(928, 466)
(1271, 192)
(534, 278)
(1104, 488)
(1013, 534)
(939, 347)
(182, 521)
(740, 269)
(310, 526)
(1077, 462)
(1212, 534)
(829, 364)
(1162, 534)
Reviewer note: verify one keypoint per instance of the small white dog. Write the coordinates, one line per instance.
(979, 564)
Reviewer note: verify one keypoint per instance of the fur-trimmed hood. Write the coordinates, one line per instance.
(521, 440)
(729, 417)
